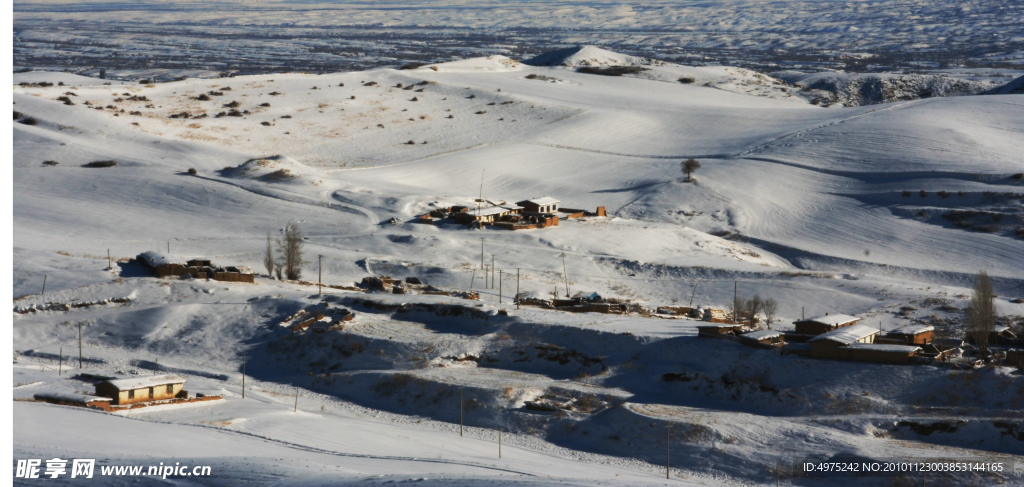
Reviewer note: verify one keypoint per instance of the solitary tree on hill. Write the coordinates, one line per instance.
(689, 166)
(981, 313)
(291, 251)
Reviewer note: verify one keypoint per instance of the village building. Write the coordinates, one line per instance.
(79, 400)
(168, 265)
(546, 204)
(909, 335)
(827, 344)
(824, 324)
(163, 264)
(764, 337)
(718, 330)
(486, 215)
(878, 353)
(142, 389)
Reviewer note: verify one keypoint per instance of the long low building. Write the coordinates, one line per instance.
(827, 345)
(824, 324)
(142, 389)
(878, 353)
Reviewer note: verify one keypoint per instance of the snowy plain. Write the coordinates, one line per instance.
(794, 201)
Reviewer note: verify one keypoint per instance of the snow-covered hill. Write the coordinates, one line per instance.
(883, 211)
(588, 56)
(860, 89)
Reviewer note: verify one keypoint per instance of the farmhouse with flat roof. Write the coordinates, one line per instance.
(142, 389)
(824, 324)
(546, 204)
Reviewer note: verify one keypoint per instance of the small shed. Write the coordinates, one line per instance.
(546, 204)
(765, 337)
(878, 353)
(719, 329)
(913, 334)
(827, 345)
(142, 389)
(824, 324)
(163, 264)
(79, 400)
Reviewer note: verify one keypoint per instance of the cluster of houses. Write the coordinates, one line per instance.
(166, 265)
(841, 337)
(113, 394)
(532, 213)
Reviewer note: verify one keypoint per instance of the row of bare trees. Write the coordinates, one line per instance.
(749, 308)
(288, 260)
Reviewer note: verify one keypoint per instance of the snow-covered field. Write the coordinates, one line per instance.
(884, 212)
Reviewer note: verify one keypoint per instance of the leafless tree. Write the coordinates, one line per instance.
(754, 306)
(769, 307)
(268, 257)
(981, 312)
(290, 248)
(737, 308)
(689, 166)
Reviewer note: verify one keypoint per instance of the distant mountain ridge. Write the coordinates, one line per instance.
(857, 89)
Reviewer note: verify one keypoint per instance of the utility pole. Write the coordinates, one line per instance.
(460, 411)
(472, 278)
(517, 288)
(802, 314)
(243, 375)
(735, 300)
(492, 271)
(44, 285)
(482, 252)
(320, 275)
(486, 279)
(168, 247)
(694, 293)
(109, 264)
(668, 440)
(565, 275)
(502, 274)
(80, 344)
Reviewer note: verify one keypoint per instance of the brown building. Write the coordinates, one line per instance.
(878, 353)
(765, 337)
(719, 329)
(142, 389)
(546, 204)
(162, 264)
(824, 324)
(911, 335)
(827, 345)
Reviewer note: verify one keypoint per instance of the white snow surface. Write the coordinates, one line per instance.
(793, 201)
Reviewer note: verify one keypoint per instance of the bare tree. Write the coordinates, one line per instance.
(754, 306)
(981, 313)
(769, 307)
(689, 166)
(268, 257)
(290, 248)
(736, 309)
